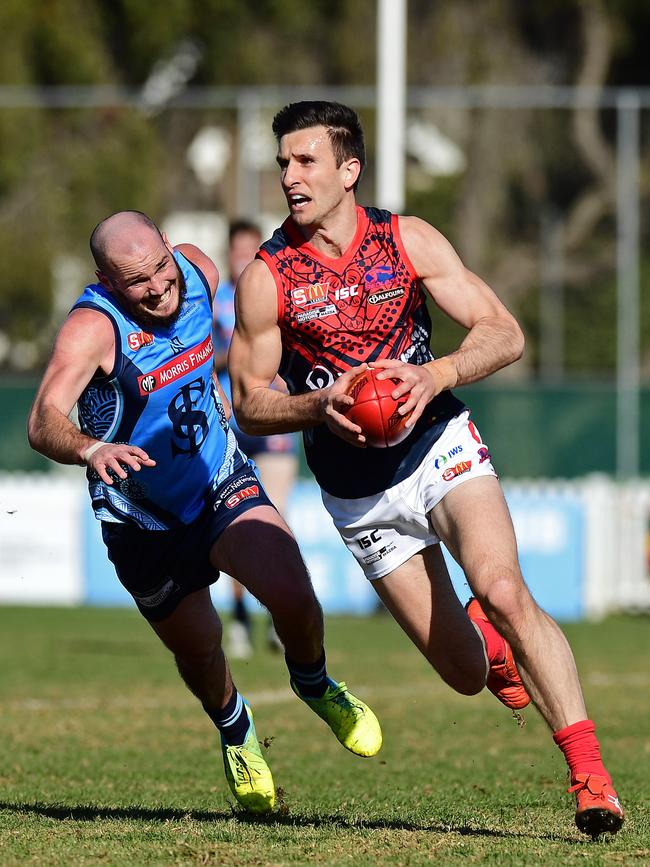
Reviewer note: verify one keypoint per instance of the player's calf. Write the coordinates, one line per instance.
(503, 678)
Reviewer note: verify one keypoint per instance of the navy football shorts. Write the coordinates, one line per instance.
(161, 567)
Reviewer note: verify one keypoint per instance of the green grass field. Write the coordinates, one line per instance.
(108, 760)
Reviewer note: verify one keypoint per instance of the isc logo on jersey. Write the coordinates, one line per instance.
(311, 293)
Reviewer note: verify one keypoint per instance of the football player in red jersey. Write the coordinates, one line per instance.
(339, 286)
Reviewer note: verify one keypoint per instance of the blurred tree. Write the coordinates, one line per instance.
(62, 170)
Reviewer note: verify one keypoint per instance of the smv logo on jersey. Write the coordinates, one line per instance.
(190, 424)
(311, 293)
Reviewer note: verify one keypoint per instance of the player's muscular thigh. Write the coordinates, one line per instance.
(474, 523)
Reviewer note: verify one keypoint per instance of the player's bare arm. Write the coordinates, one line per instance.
(494, 338)
(253, 363)
(85, 344)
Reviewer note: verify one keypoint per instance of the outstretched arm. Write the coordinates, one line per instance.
(253, 363)
(84, 345)
(493, 340)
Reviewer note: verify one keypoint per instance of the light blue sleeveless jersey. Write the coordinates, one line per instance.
(160, 396)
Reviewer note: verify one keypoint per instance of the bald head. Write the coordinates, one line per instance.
(119, 235)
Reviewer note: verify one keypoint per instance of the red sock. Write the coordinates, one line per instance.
(495, 645)
(581, 749)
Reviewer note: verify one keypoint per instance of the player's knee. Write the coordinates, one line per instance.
(506, 602)
(200, 658)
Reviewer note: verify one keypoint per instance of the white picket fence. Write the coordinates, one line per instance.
(49, 548)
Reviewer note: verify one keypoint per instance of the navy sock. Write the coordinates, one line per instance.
(232, 720)
(240, 613)
(311, 678)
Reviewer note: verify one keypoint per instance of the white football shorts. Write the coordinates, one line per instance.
(384, 530)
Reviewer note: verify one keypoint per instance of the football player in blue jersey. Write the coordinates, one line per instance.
(177, 499)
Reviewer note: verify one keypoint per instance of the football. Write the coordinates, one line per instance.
(375, 411)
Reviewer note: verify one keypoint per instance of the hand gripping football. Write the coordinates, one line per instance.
(375, 411)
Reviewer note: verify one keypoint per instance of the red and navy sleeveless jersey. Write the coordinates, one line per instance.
(335, 314)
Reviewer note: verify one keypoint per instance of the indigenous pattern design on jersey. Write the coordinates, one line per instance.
(160, 396)
(335, 314)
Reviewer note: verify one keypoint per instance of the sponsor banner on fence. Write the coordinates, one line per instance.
(583, 547)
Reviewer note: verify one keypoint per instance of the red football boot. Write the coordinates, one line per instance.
(503, 678)
(598, 809)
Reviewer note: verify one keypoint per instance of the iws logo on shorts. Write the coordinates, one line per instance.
(441, 460)
(458, 470)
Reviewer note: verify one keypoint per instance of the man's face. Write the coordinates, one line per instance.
(146, 279)
(241, 251)
(311, 181)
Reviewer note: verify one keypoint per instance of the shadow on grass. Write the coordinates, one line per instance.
(89, 813)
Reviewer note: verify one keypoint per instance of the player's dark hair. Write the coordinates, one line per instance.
(101, 233)
(243, 226)
(341, 122)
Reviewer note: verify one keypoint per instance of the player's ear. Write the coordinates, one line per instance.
(166, 242)
(104, 280)
(352, 172)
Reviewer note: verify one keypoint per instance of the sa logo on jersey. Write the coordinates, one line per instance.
(311, 293)
(138, 339)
